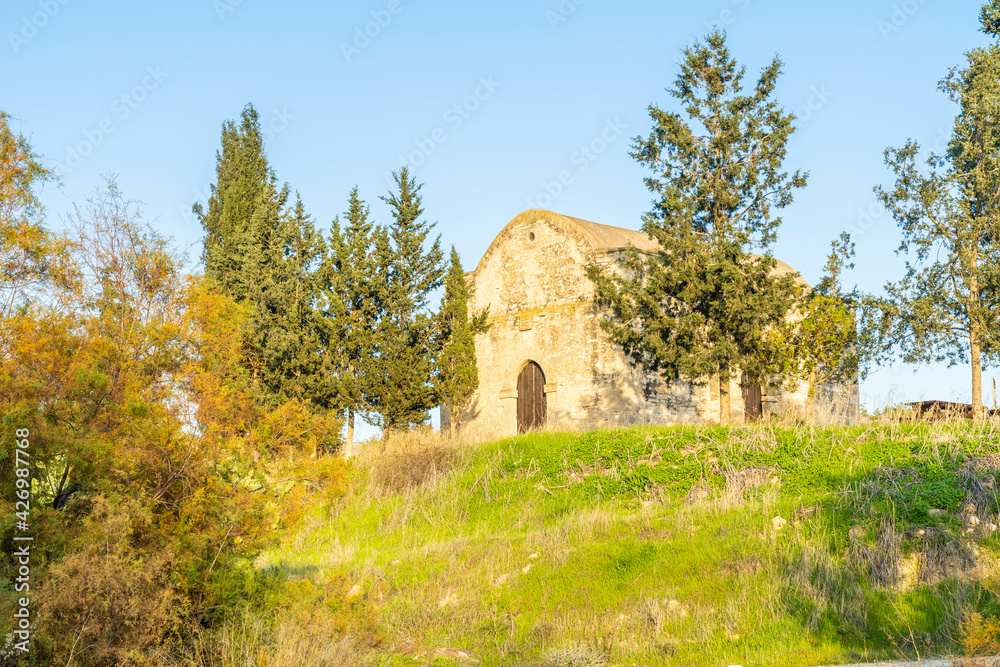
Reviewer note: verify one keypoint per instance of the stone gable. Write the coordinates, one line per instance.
(542, 310)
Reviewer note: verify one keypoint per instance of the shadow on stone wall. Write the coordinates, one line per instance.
(633, 399)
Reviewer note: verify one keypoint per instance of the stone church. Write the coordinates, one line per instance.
(546, 362)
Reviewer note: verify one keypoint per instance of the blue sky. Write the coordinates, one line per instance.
(488, 102)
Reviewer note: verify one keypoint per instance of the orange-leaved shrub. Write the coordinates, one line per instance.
(158, 472)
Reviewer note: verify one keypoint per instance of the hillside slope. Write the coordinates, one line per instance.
(755, 545)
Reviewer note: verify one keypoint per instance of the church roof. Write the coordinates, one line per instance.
(606, 238)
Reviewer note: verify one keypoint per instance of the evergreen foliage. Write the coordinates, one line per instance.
(157, 472)
(947, 305)
(822, 345)
(457, 375)
(703, 308)
(352, 287)
(266, 257)
(401, 385)
(287, 333)
(240, 207)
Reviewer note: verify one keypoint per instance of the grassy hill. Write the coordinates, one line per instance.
(752, 545)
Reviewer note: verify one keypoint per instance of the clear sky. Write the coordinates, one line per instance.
(487, 102)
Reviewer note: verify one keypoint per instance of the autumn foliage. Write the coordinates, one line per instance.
(158, 471)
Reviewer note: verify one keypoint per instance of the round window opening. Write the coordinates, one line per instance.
(531, 236)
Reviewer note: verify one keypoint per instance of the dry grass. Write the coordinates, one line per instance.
(880, 562)
(254, 639)
(576, 655)
(408, 460)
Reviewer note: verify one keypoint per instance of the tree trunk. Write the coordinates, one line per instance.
(725, 410)
(350, 432)
(974, 344)
(977, 376)
(811, 397)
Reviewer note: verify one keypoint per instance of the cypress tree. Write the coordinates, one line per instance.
(287, 303)
(457, 376)
(352, 285)
(701, 308)
(265, 257)
(402, 387)
(244, 183)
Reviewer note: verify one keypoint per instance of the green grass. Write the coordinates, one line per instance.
(656, 546)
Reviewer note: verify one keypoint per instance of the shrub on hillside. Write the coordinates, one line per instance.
(158, 473)
(112, 597)
(411, 460)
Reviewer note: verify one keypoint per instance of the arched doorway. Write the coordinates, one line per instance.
(530, 398)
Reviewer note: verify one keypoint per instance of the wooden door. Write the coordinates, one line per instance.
(530, 398)
(753, 401)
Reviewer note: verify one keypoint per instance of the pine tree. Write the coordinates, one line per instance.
(457, 376)
(402, 389)
(702, 308)
(244, 184)
(265, 257)
(947, 305)
(287, 304)
(353, 286)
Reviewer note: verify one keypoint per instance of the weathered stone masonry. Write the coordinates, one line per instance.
(542, 309)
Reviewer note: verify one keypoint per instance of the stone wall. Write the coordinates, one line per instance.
(533, 280)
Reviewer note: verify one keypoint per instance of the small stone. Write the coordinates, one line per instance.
(526, 569)
(674, 607)
(534, 555)
(778, 523)
(457, 654)
(991, 528)
(921, 532)
(936, 512)
(974, 520)
(355, 590)
(970, 509)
